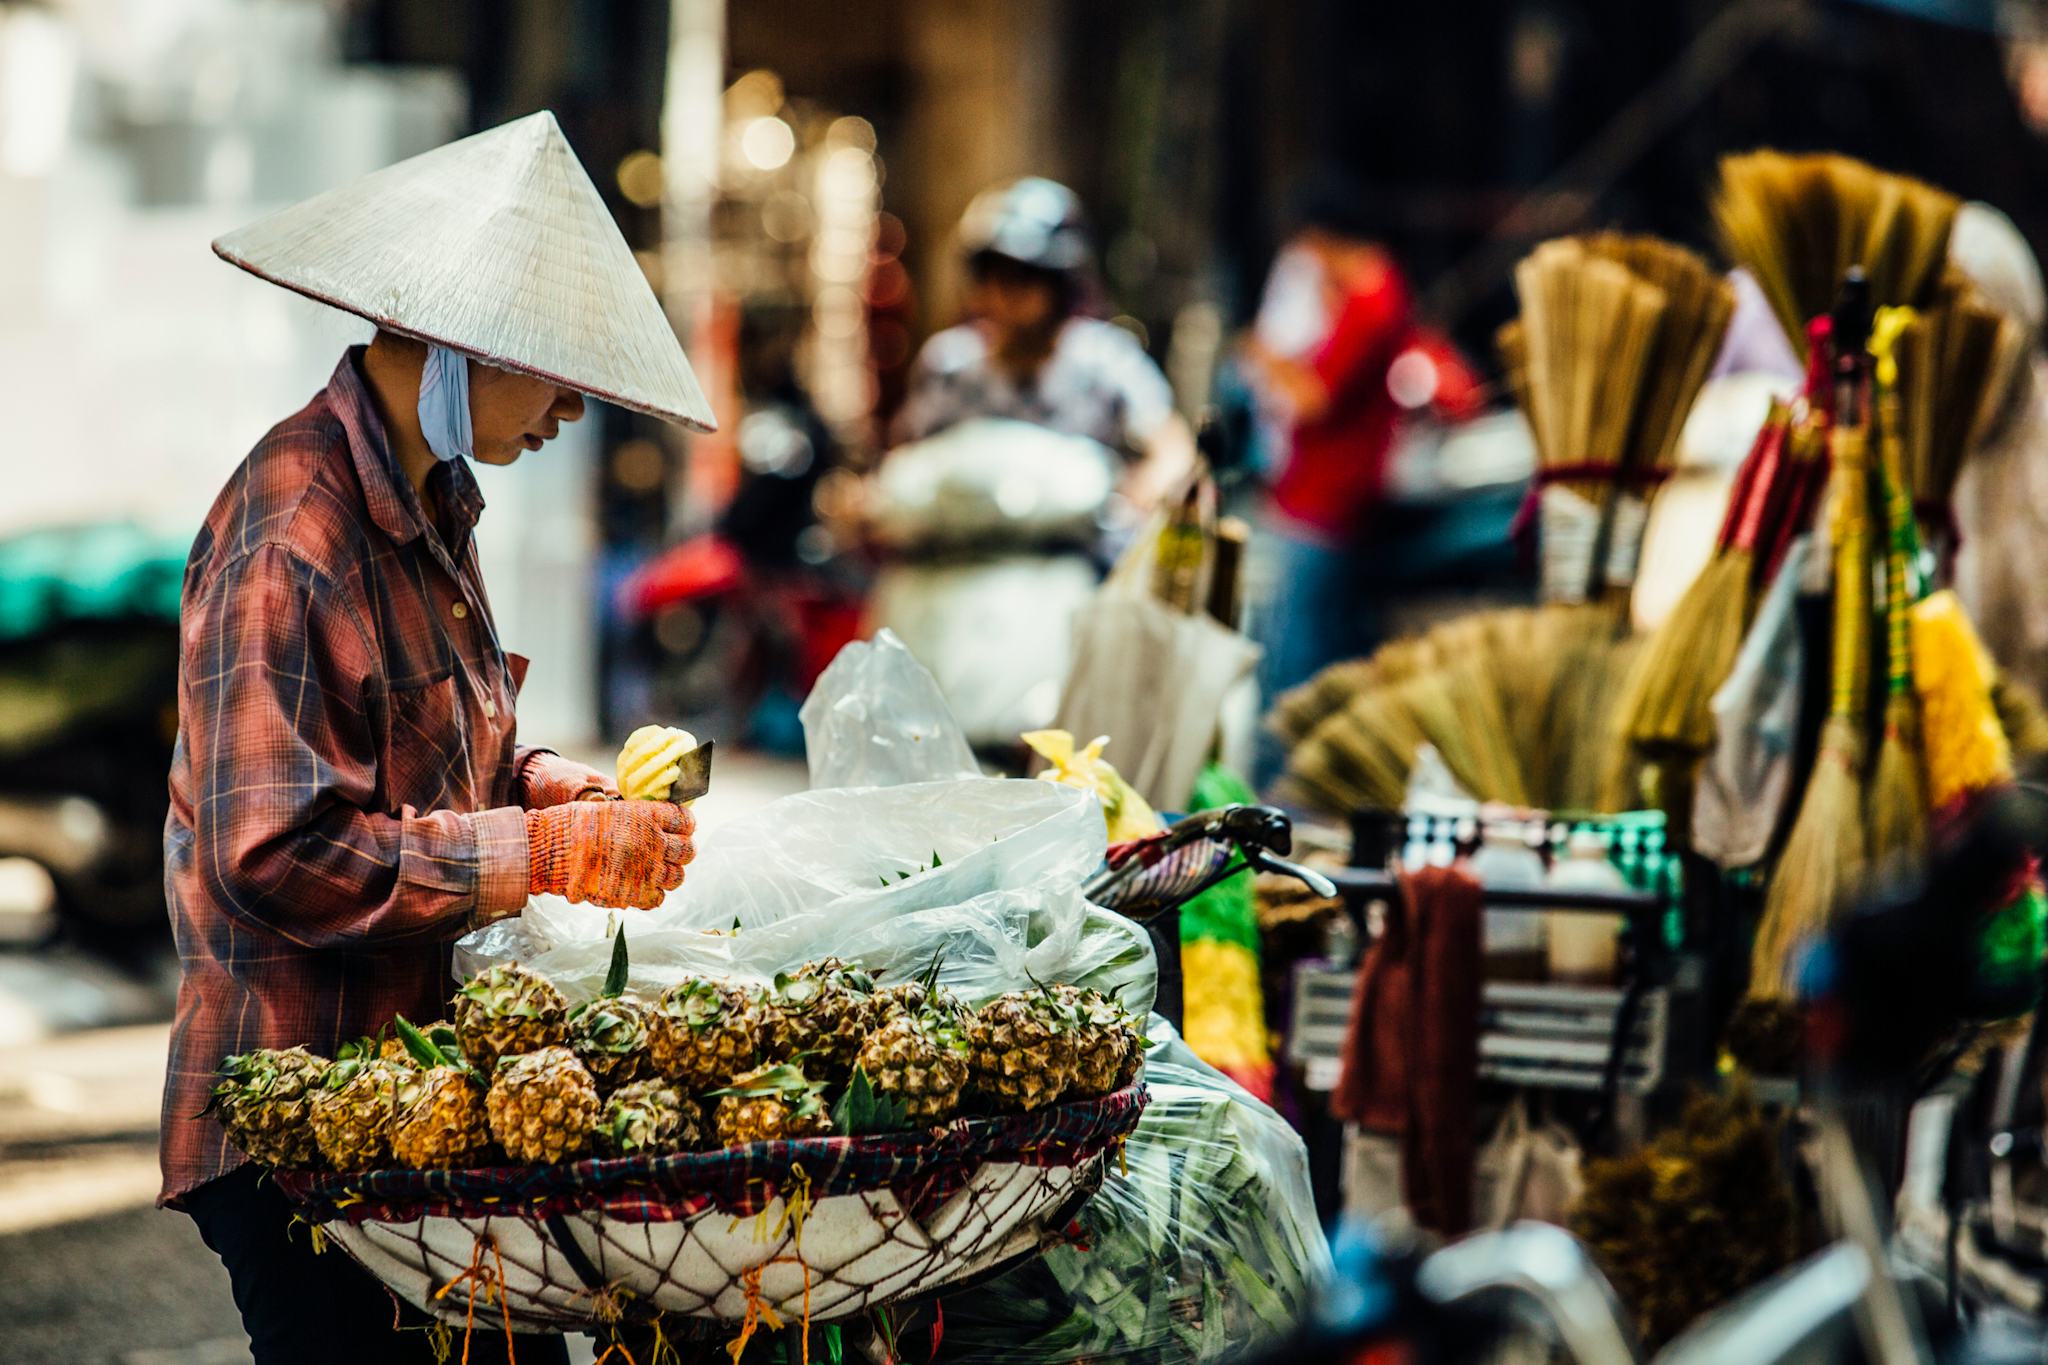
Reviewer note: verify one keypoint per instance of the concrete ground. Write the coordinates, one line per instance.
(90, 1272)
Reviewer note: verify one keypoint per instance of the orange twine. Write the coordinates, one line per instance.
(759, 1313)
(478, 1277)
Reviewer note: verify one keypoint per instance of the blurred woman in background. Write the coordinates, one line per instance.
(1028, 353)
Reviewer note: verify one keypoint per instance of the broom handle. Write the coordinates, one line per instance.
(1789, 512)
(1899, 548)
(1764, 491)
(1749, 481)
(1852, 573)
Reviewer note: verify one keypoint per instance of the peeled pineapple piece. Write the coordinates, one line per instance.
(651, 761)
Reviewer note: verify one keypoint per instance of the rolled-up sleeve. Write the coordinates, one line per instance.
(279, 693)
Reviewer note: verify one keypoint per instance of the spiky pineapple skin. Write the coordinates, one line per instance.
(650, 1118)
(705, 1034)
(919, 1061)
(613, 1038)
(264, 1102)
(506, 1011)
(795, 1109)
(823, 1009)
(1021, 1051)
(354, 1111)
(1104, 1041)
(443, 1121)
(543, 1106)
(766, 1119)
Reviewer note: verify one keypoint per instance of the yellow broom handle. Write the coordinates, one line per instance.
(1852, 571)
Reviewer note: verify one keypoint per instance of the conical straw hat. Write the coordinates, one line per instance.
(497, 246)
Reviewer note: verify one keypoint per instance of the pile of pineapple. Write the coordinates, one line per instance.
(520, 1076)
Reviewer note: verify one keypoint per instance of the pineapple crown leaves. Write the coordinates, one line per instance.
(248, 1076)
(863, 1109)
(607, 1024)
(615, 977)
(509, 991)
(934, 865)
(433, 1052)
(699, 1003)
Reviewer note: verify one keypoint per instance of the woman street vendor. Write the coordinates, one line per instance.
(347, 796)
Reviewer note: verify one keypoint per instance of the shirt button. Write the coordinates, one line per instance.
(460, 611)
(490, 708)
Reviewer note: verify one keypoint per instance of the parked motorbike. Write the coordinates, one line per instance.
(987, 532)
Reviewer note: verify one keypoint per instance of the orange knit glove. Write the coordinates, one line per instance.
(547, 779)
(619, 853)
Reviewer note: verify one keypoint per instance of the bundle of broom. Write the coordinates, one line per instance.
(1483, 690)
(1898, 782)
(1951, 361)
(1828, 846)
(1615, 337)
(1799, 222)
(1688, 657)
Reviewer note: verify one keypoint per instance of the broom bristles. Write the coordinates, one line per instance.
(1823, 859)
(1689, 657)
(1898, 785)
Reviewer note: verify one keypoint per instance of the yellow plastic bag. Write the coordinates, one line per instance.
(1123, 810)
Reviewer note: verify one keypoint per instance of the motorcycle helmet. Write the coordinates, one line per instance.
(1032, 222)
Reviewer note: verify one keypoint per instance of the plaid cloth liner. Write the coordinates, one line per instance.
(924, 1169)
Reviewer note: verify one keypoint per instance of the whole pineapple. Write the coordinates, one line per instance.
(263, 1100)
(612, 1037)
(1106, 1044)
(771, 1104)
(543, 1106)
(1021, 1050)
(705, 1034)
(921, 1060)
(356, 1105)
(443, 1121)
(609, 1035)
(650, 1118)
(823, 1009)
(923, 996)
(505, 1011)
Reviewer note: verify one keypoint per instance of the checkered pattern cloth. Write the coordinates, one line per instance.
(344, 799)
(923, 1169)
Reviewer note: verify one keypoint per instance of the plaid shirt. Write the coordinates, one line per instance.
(343, 792)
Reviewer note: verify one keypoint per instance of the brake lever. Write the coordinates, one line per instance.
(1260, 859)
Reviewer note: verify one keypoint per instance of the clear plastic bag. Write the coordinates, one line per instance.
(1202, 1247)
(876, 718)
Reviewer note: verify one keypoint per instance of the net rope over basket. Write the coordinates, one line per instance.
(811, 1230)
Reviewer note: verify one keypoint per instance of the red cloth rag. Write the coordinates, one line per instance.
(1411, 1056)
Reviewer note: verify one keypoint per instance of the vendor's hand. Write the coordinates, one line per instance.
(618, 853)
(547, 779)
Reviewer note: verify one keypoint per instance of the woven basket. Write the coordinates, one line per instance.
(810, 1231)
